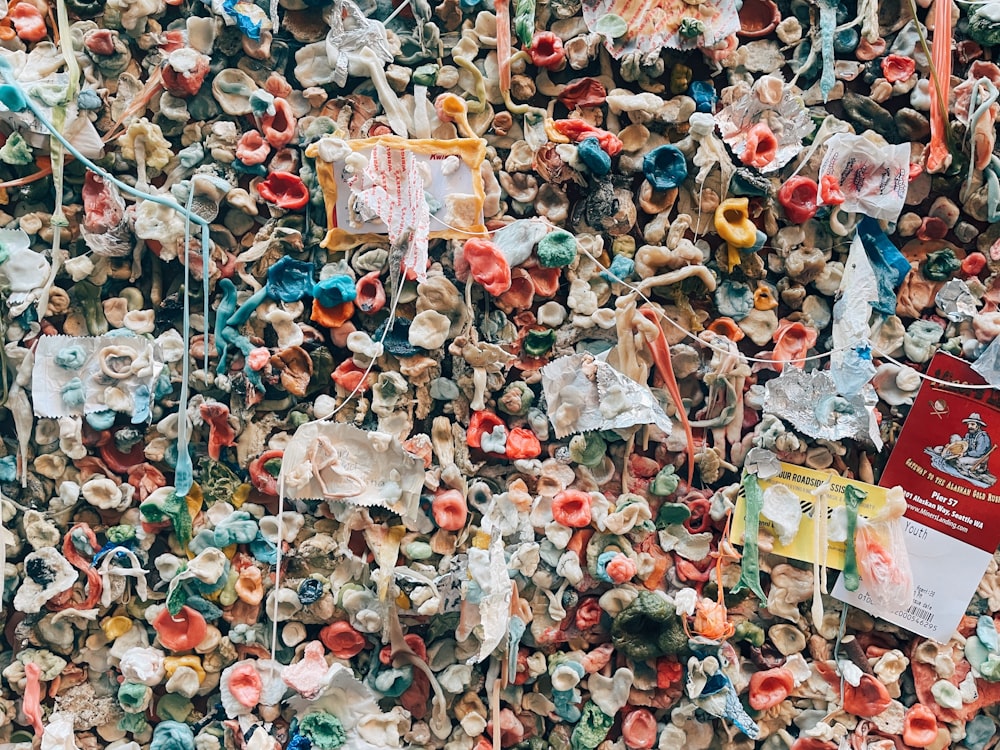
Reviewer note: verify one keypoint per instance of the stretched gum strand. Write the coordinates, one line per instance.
(661, 356)
(503, 43)
(938, 156)
(750, 566)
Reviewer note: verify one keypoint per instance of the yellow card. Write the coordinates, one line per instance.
(802, 481)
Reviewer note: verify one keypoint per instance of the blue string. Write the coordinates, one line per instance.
(14, 98)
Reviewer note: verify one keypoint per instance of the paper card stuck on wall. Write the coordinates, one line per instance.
(452, 182)
(946, 462)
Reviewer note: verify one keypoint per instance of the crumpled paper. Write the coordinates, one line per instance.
(80, 360)
(341, 462)
(873, 178)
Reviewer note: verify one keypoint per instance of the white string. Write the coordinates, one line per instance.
(722, 350)
(397, 11)
(695, 337)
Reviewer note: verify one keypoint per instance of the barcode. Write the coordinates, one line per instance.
(922, 612)
(916, 613)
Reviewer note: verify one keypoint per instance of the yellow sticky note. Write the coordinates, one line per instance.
(802, 481)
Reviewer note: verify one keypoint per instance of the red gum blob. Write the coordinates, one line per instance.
(371, 293)
(28, 22)
(798, 197)
(639, 729)
(181, 632)
(546, 50)
(572, 508)
(260, 477)
(868, 699)
(173, 39)
(621, 569)
(348, 375)
(101, 211)
(284, 190)
(522, 443)
(726, 327)
(668, 672)
(867, 51)
(973, 264)
(521, 292)
(481, 423)
(920, 727)
(252, 148)
(450, 510)
(279, 128)
(897, 68)
(770, 687)
(187, 83)
(830, 191)
(220, 433)
(343, 641)
(487, 265)
(584, 92)
(245, 685)
(146, 479)
(932, 228)
(32, 706)
(545, 280)
(576, 130)
(761, 146)
(258, 358)
(100, 42)
(117, 461)
(792, 342)
(511, 730)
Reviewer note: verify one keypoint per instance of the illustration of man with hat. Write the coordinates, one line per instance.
(978, 444)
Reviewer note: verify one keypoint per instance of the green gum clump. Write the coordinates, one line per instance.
(752, 634)
(16, 151)
(131, 696)
(940, 265)
(593, 727)
(133, 723)
(538, 343)
(323, 730)
(557, 249)
(665, 482)
(588, 450)
(649, 627)
(174, 707)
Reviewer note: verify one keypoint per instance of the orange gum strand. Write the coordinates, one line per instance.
(503, 43)
(661, 356)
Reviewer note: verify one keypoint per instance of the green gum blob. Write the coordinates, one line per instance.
(588, 449)
(131, 696)
(592, 729)
(16, 151)
(752, 634)
(538, 343)
(174, 707)
(323, 730)
(649, 627)
(666, 482)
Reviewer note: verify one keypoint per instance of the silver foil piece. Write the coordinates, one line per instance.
(809, 402)
(955, 301)
(585, 393)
